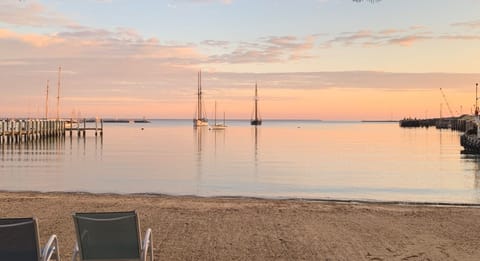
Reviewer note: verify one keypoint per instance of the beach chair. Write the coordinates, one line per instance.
(19, 241)
(111, 236)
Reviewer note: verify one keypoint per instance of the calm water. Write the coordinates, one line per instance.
(375, 161)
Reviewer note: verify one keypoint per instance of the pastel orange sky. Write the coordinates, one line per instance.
(329, 59)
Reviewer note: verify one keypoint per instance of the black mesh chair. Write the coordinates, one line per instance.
(111, 236)
(19, 241)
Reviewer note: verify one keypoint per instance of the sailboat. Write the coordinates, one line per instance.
(257, 120)
(200, 119)
(218, 126)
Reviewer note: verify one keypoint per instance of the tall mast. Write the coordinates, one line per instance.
(256, 102)
(58, 92)
(215, 113)
(476, 99)
(198, 95)
(199, 99)
(46, 103)
(476, 110)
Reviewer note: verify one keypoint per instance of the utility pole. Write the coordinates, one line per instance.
(58, 93)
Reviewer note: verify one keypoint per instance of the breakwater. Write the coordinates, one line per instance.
(462, 123)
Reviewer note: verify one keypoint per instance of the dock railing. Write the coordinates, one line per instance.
(19, 131)
(81, 126)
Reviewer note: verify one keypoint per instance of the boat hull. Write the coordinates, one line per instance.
(218, 127)
(200, 122)
(471, 143)
(256, 122)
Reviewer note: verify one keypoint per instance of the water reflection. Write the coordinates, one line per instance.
(318, 160)
(198, 134)
(51, 149)
(474, 161)
(219, 138)
(255, 151)
(33, 151)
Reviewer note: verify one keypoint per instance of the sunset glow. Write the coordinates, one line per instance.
(329, 59)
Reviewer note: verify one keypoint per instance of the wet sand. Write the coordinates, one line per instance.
(193, 228)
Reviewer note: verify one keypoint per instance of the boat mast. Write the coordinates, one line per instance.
(477, 120)
(46, 103)
(199, 96)
(215, 123)
(58, 93)
(476, 99)
(256, 102)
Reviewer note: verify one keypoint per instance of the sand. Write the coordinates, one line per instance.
(193, 228)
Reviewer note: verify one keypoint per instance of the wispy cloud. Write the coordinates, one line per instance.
(470, 24)
(402, 37)
(215, 43)
(267, 50)
(36, 40)
(31, 14)
(85, 42)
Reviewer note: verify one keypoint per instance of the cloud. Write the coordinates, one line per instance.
(31, 39)
(85, 42)
(215, 43)
(347, 79)
(406, 40)
(270, 49)
(470, 24)
(402, 37)
(31, 14)
(349, 38)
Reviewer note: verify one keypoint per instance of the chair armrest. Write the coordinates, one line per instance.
(75, 251)
(51, 249)
(147, 244)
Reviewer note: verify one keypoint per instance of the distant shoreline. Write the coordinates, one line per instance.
(379, 121)
(145, 120)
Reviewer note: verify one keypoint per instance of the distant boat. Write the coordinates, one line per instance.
(200, 119)
(470, 140)
(257, 120)
(218, 126)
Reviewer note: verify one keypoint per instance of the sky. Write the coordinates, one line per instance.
(311, 59)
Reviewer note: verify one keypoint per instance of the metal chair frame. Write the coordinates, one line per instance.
(146, 245)
(50, 250)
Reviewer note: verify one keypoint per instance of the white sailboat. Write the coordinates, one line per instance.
(200, 119)
(218, 126)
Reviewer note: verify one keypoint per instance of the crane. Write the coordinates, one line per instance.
(448, 105)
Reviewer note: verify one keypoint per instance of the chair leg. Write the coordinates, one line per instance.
(147, 245)
(151, 248)
(75, 252)
(51, 249)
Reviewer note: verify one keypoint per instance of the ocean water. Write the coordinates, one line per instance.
(280, 159)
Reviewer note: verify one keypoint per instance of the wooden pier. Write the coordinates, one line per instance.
(82, 126)
(17, 131)
(23, 131)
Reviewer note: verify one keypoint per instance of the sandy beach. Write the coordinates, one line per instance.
(193, 228)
